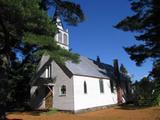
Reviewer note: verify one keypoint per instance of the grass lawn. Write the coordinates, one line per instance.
(116, 113)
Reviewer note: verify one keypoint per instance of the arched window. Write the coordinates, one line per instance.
(85, 87)
(63, 90)
(60, 37)
(101, 86)
(65, 39)
(48, 71)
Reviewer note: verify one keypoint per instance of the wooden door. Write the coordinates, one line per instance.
(49, 98)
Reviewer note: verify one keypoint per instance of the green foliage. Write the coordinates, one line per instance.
(47, 46)
(156, 94)
(156, 74)
(17, 19)
(50, 112)
(146, 23)
(143, 91)
(145, 88)
(123, 69)
(15, 91)
(70, 11)
(26, 33)
(26, 27)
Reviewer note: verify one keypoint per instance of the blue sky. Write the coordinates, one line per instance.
(97, 37)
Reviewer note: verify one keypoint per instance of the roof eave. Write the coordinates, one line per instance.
(92, 76)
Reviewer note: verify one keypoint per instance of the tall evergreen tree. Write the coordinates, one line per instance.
(146, 22)
(156, 74)
(123, 69)
(26, 28)
(143, 91)
(27, 32)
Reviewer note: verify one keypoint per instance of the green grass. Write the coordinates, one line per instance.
(50, 112)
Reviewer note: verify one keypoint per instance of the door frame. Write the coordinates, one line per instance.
(50, 87)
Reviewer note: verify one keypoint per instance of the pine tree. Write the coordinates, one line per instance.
(156, 74)
(123, 69)
(146, 22)
(26, 28)
(70, 11)
(27, 32)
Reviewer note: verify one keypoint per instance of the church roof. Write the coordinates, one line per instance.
(89, 67)
(86, 67)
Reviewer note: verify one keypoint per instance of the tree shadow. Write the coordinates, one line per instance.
(31, 112)
(14, 119)
(35, 113)
(132, 107)
(157, 110)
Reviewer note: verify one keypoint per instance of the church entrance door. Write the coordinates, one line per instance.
(49, 97)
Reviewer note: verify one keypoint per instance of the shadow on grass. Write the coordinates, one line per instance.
(132, 107)
(33, 113)
(14, 119)
(36, 112)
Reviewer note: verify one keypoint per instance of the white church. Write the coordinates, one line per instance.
(75, 87)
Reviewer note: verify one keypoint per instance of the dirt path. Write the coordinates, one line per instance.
(117, 113)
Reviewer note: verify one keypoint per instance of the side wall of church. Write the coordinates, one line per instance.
(93, 97)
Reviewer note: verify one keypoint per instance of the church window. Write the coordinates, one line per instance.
(112, 85)
(101, 86)
(85, 87)
(48, 71)
(60, 37)
(65, 39)
(63, 90)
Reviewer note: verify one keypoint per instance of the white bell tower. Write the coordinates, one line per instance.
(61, 37)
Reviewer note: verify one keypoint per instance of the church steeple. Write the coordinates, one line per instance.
(61, 36)
(57, 19)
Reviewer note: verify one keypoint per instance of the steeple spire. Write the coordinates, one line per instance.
(57, 19)
(61, 36)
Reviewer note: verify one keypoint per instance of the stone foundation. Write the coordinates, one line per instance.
(89, 109)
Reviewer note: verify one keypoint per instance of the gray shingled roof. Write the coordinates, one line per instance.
(88, 67)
